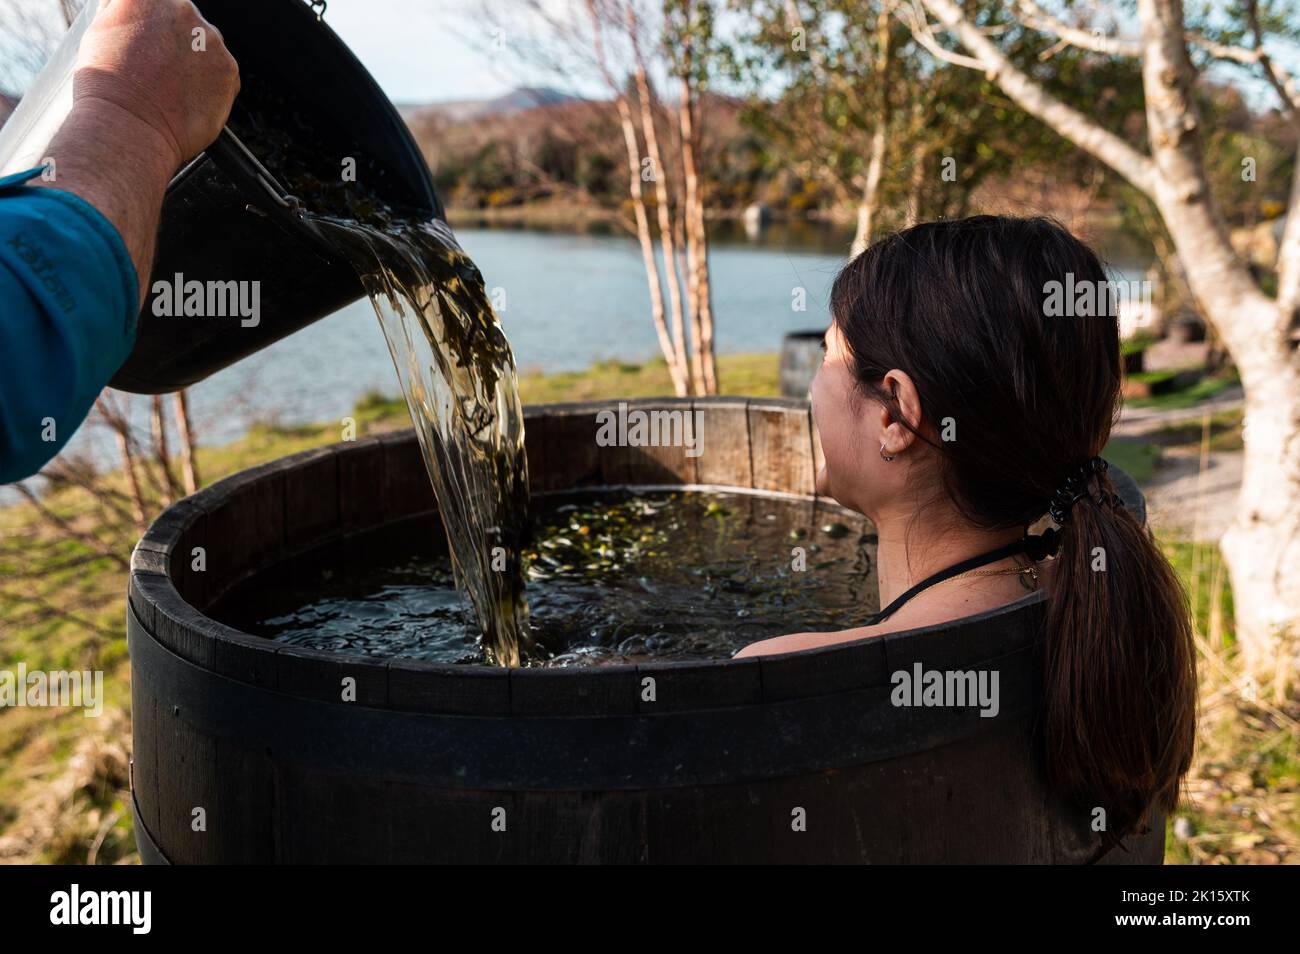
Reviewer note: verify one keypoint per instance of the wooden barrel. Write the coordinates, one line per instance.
(801, 356)
(245, 750)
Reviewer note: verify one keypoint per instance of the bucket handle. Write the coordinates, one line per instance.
(231, 155)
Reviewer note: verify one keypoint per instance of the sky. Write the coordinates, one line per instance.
(418, 50)
(430, 50)
(425, 50)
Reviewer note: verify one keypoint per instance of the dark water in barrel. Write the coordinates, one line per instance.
(612, 578)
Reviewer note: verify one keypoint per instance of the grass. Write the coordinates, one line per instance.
(749, 374)
(64, 793)
(1181, 398)
(754, 375)
(1241, 803)
(1135, 457)
(1138, 342)
(1225, 432)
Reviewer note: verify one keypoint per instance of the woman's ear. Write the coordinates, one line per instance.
(907, 402)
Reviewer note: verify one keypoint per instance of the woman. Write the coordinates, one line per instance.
(959, 413)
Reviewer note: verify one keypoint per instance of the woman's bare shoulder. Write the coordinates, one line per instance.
(797, 642)
(908, 617)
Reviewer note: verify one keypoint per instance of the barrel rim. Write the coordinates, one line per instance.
(154, 596)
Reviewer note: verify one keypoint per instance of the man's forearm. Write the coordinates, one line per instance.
(121, 166)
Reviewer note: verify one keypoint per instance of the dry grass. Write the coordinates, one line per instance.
(1242, 797)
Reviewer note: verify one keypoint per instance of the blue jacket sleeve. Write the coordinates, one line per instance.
(68, 307)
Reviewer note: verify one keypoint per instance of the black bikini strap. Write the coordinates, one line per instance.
(992, 556)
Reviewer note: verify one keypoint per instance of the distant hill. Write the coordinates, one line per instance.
(516, 101)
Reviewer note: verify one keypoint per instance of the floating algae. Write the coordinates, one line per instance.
(612, 578)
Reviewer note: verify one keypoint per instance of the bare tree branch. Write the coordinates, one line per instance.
(916, 20)
(185, 429)
(1283, 84)
(1136, 167)
(48, 609)
(1288, 258)
(87, 539)
(666, 343)
(1035, 17)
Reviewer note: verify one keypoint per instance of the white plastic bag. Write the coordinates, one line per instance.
(25, 136)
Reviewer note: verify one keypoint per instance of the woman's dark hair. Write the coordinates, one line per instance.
(967, 309)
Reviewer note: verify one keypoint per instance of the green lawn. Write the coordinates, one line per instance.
(1137, 458)
(1225, 432)
(1202, 390)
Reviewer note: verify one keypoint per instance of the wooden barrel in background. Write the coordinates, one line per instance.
(801, 356)
(795, 758)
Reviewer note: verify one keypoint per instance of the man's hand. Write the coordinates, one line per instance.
(160, 62)
(154, 85)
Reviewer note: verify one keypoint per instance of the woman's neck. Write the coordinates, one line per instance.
(912, 548)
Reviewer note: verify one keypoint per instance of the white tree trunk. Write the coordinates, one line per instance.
(665, 220)
(870, 190)
(676, 370)
(704, 364)
(870, 200)
(1262, 547)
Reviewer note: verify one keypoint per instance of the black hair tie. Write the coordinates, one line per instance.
(1040, 547)
(1075, 489)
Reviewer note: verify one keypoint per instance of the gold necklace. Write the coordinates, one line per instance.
(1028, 574)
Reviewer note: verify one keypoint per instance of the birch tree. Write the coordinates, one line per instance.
(635, 48)
(1262, 547)
(879, 135)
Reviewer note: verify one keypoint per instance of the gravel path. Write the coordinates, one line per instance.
(1141, 420)
(1199, 505)
(1181, 499)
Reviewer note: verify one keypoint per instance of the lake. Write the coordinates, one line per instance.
(568, 300)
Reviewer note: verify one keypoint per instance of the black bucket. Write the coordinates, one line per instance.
(222, 222)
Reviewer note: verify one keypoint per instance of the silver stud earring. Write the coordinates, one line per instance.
(883, 455)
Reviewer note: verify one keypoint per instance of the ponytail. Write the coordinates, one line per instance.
(1120, 681)
(960, 306)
